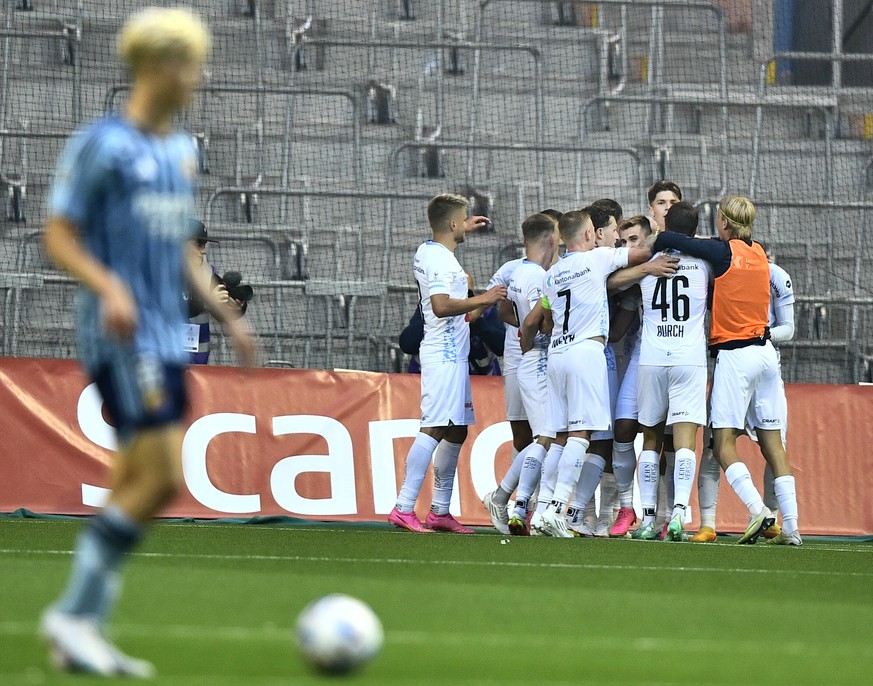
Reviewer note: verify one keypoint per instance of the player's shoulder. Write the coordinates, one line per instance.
(505, 271)
(528, 269)
(778, 274)
(109, 141)
(690, 263)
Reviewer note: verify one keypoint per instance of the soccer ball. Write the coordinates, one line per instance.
(338, 634)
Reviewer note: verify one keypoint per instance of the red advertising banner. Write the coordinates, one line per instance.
(332, 446)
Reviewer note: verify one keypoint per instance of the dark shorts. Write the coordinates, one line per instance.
(141, 393)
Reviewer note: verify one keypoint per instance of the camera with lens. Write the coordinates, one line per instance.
(236, 289)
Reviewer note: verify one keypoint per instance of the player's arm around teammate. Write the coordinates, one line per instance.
(746, 384)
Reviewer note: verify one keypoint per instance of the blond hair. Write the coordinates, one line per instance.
(159, 33)
(739, 212)
(441, 207)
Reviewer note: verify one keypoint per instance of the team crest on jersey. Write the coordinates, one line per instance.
(146, 169)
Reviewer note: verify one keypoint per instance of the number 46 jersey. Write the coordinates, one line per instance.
(674, 312)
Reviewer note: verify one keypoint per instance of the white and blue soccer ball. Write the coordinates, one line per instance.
(338, 634)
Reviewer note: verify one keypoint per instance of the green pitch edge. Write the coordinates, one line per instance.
(22, 513)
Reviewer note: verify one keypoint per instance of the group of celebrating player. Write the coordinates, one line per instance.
(607, 321)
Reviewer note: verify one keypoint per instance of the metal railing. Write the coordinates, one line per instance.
(109, 105)
(68, 32)
(353, 289)
(521, 147)
(655, 56)
(855, 341)
(734, 102)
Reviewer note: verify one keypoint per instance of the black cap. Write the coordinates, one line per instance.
(199, 233)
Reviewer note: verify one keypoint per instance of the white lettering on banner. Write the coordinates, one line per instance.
(339, 463)
(90, 416)
(197, 479)
(483, 454)
(382, 437)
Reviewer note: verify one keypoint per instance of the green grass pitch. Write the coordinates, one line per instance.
(215, 604)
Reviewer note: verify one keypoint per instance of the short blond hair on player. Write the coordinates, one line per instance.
(739, 212)
(158, 33)
(440, 208)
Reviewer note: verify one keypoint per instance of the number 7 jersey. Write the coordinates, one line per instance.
(674, 314)
(575, 291)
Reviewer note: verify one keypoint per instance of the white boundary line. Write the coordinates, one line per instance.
(570, 640)
(461, 563)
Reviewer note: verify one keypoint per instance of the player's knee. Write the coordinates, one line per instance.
(456, 434)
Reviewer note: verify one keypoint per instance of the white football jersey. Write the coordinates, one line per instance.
(781, 290)
(525, 290)
(674, 315)
(511, 343)
(575, 291)
(446, 339)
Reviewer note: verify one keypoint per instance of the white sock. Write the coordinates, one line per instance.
(530, 477)
(770, 499)
(569, 469)
(589, 478)
(683, 477)
(669, 471)
(624, 460)
(589, 509)
(784, 486)
(608, 493)
(510, 479)
(445, 462)
(649, 478)
(417, 462)
(741, 481)
(708, 479)
(549, 476)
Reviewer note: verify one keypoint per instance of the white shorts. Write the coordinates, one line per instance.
(612, 377)
(626, 406)
(533, 382)
(512, 396)
(782, 410)
(579, 388)
(675, 394)
(445, 394)
(747, 388)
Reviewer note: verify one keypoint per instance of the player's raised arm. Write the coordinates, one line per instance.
(716, 252)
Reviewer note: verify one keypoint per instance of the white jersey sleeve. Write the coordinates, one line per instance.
(781, 290)
(437, 271)
(674, 315)
(503, 276)
(575, 290)
(511, 343)
(525, 290)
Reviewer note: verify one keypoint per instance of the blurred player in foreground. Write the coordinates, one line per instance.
(119, 214)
